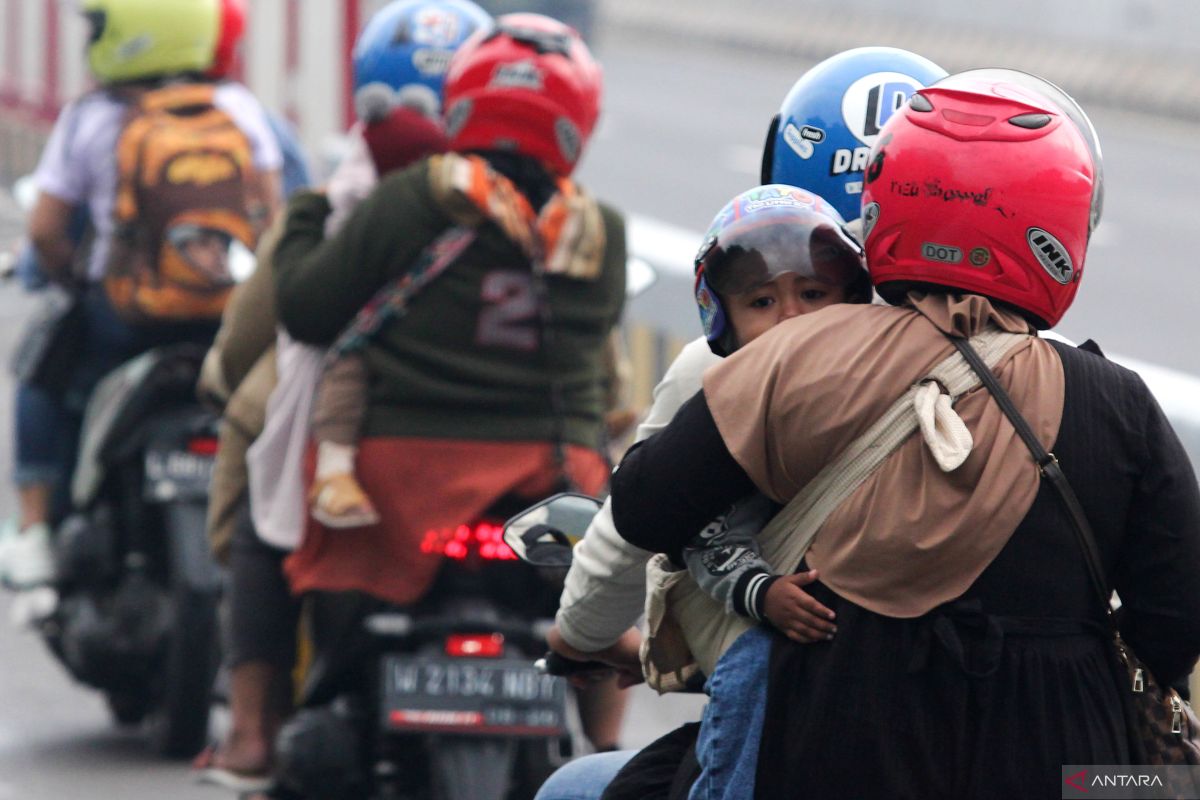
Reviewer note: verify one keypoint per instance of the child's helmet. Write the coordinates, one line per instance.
(763, 233)
(529, 85)
(138, 39)
(402, 54)
(824, 130)
(990, 182)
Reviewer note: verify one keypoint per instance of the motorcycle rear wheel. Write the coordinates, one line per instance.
(179, 723)
(128, 708)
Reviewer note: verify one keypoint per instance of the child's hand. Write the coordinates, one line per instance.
(795, 613)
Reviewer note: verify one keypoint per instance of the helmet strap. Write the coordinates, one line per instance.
(768, 156)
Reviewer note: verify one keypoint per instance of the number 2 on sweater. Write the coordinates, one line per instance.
(509, 314)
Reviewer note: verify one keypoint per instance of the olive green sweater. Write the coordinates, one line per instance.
(469, 360)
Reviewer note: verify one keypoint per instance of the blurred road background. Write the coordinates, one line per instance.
(690, 89)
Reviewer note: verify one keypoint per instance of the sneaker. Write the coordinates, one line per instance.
(27, 558)
(32, 606)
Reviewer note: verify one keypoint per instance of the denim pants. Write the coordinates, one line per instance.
(584, 778)
(731, 728)
(48, 424)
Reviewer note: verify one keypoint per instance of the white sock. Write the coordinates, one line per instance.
(335, 459)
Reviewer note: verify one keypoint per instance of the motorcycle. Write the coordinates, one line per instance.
(440, 700)
(137, 614)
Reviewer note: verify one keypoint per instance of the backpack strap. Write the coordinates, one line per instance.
(178, 97)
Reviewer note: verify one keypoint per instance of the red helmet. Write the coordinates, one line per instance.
(229, 36)
(988, 181)
(529, 85)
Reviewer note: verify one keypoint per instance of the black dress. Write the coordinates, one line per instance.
(988, 696)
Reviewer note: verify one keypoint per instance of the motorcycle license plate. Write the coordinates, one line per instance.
(471, 696)
(177, 475)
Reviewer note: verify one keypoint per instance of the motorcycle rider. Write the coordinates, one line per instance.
(522, 412)
(605, 588)
(78, 167)
(975, 593)
(263, 616)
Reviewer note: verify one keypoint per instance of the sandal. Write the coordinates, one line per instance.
(340, 502)
(207, 769)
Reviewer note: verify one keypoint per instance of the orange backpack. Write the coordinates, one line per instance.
(183, 174)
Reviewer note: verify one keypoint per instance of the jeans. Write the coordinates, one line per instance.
(731, 728)
(48, 425)
(584, 778)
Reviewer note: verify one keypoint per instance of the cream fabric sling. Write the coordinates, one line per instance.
(687, 631)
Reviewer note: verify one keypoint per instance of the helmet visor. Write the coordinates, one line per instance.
(97, 21)
(1068, 106)
(756, 250)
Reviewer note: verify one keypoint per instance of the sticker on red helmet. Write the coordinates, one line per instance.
(980, 256)
(870, 216)
(519, 75)
(942, 253)
(1051, 254)
(570, 143)
(457, 116)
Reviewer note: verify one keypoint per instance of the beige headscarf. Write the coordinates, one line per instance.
(912, 536)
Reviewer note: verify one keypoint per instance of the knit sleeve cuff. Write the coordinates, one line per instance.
(750, 593)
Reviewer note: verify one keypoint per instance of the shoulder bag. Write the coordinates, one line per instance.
(1163, 728)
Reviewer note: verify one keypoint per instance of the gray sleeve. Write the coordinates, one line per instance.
(605, 589)
(725, 561)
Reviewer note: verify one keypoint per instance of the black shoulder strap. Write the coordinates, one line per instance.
(1050, 469)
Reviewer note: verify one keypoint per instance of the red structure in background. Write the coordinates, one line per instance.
(350, 29)
(10, 89)
(307, 73)
(50, 80)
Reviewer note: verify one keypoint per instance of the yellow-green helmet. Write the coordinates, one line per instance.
(136, 39)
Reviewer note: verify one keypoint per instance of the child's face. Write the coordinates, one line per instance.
(207, 251)
(755, 311)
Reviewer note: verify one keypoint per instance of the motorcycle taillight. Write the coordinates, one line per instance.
(202, 445)
(475, 645)
(485, 540)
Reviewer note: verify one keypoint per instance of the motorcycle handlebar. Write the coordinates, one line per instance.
(555, 664)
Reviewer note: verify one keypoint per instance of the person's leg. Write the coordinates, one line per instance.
(39, 422)
(731, 729)
(584, 778)
(26, 559)
(602, 710)
(339, 408)
(263, 619)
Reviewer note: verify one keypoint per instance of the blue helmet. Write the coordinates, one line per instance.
(822, 135)
(402, 54)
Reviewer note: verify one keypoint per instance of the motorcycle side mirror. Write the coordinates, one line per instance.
(544, 534)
